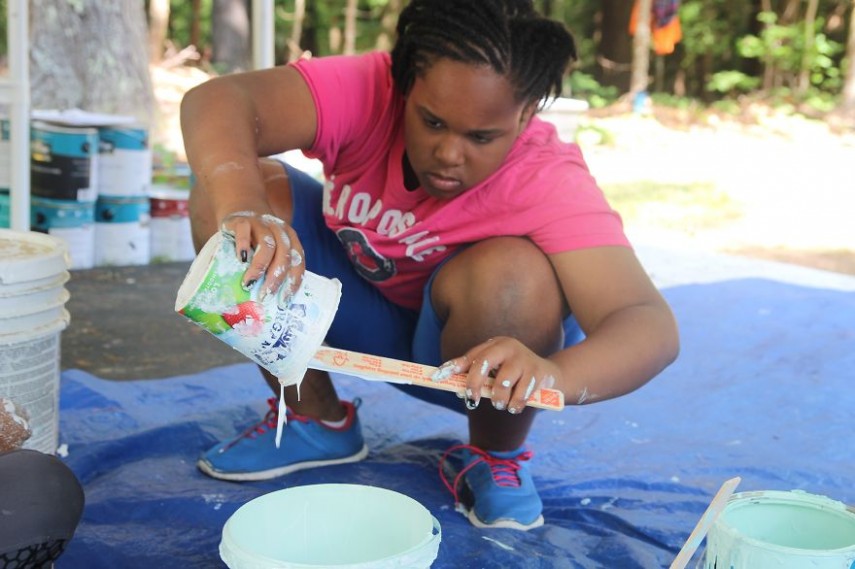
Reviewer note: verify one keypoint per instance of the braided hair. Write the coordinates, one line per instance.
(509, 36)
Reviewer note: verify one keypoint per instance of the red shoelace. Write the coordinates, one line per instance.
(267, 422)
(504, 470)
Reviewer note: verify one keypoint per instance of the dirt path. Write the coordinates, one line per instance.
(788, 180)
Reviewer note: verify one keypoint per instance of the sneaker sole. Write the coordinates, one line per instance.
(205, 467)
(504, 523)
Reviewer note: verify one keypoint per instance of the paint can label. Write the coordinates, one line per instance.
(281, 334)
(5, 208)
(63, 162)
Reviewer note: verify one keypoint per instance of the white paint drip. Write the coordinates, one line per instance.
(445, 371)
(583, 396)
(485, 367)
(225, 168)
(270, 241)
(530, 389)
(504, 546)
(282, 415)
(268, 218)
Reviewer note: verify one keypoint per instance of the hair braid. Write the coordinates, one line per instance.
(533, 52)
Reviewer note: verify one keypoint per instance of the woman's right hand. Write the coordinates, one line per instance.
(272, 249)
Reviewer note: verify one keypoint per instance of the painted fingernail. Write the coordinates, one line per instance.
(513, 410)
(248, 284)
(499, 405)
(296, 258)
(243, 255)
(471, 404)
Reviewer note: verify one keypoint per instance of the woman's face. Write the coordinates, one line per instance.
(459, 123)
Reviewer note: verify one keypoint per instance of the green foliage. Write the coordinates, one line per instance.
(4, 49)
(731, 81)
(584, 86)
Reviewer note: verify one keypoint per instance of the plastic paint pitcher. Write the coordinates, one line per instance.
(32, 316)
(785, 530)
(280, 334)
(331, 525)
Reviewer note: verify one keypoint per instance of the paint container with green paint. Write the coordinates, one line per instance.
(279, 333)
(785, 530)
(331, 525)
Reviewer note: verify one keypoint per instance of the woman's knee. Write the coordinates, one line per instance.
(505, 282)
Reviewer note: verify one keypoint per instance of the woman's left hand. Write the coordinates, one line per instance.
(512, 371)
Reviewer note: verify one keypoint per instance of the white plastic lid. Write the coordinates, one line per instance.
(27, 256)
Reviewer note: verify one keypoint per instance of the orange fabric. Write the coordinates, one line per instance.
(664, 39)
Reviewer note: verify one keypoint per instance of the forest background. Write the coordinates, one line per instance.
(739, 136)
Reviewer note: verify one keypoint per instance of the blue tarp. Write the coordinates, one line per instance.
(763, 389)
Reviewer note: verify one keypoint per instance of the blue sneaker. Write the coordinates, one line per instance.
(306, 443)
(498, 491)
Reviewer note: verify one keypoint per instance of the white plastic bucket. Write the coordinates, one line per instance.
(787, 530)
(33, 272)
(279, 334)
(331, 525)
(124, 161)
(122, 231)
(171, 236)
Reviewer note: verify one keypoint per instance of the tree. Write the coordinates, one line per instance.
(641, 50)
(230, 35)
(848, 101)
(158, 25)
(91, 55)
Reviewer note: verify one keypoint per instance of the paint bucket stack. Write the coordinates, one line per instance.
(122, 210)
(33, 272)
(64, 186)
(5, 171)
(171, 239)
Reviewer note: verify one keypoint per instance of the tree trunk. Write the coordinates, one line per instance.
(195, 19)
(91, 55)
(158, 23)
(294, 49)
(614, 50)
(230, 36)
(804, 70)
(350, 27)
(387, 25)
(641, 50)
(847, 103)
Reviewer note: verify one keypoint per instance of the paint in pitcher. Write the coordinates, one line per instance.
(786, 530)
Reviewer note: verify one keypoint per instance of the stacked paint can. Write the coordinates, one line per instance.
(122, 210)
(33, 272)
(64, 186)
(171, 239)
(5, 171)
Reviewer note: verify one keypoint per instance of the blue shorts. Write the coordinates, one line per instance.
(366, 321)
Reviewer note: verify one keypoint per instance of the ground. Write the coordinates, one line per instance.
(766, 183)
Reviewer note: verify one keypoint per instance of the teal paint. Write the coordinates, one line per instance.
(786, 530)
(5, 209)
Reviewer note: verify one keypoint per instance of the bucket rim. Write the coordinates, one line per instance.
(40, 265)
(24, 310)
(815, 501)
(36, 285)
(259, 560)
(58, 325)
